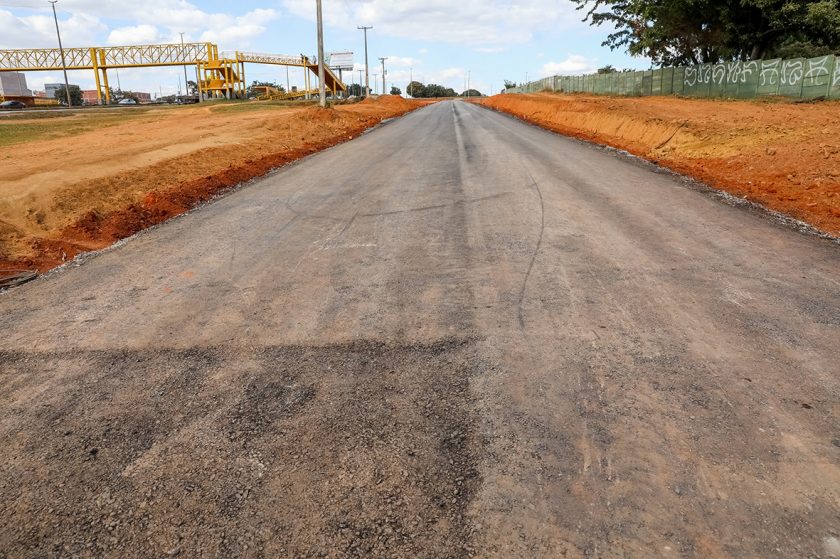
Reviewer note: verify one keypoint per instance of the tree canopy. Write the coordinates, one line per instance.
(472, 93)
(75, 95)
(418, 90)
(675, 32)
(395, 90)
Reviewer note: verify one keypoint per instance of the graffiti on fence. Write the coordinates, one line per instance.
(792, 71)
(818, 68)
(770, 72)
(718, 73)
(799, 77)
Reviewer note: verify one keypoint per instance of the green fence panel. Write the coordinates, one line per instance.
(733, 79)
(816, 81)
(667, 81)
(717, 85)
(636, 84)
(678, 83)
(656, 82)
(748, 79)
(834, 92)
(647, 82)
(769, 76)
(691, 75)
(790, 80)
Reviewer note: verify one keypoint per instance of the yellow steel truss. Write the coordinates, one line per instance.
(218, 76)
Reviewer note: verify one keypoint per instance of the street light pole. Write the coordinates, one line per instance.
(382, 60)
(61, 50)
(186, 87)
(367, 70)
(322, 93)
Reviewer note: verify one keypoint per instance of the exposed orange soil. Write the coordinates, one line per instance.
(75, 194)
(784, 156)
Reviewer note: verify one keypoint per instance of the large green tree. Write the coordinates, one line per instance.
(673, 32)
(75, 95)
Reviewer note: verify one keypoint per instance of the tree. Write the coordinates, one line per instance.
(509, 84)
(395, 90)
(674, 32)
(472, 93)
(75, 95)
(355, 89)
(192, 88)
(118, 95)
(435, 90)
(608, 69)
(416, 89)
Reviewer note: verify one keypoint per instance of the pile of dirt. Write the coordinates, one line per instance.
(782, 155)
(392, 101)
(74, 194)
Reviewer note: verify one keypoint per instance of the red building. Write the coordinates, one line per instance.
(89, 97)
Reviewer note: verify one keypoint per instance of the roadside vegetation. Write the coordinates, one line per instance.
(687, 32)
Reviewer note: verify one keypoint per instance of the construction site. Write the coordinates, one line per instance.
(592, 316)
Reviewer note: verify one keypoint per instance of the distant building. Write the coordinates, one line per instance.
(51, 88)
(90, 97)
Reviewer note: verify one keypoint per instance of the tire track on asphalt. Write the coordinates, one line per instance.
(521, 312)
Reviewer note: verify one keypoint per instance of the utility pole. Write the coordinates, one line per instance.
(321, 89)
(384, 72)
(374, 84)
(410, 80)
(61, 50)
(186, 88)
(367, 71)
(468, 84)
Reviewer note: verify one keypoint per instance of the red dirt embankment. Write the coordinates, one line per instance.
(75, 194)
(784, 156)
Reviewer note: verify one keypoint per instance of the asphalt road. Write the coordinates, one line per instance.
(456, 335)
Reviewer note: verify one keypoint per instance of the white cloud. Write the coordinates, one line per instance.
(137, 34)
(473, 23)
(574, 64)
(150, 21)
(38, 30)
(401, 62)
(240, 30)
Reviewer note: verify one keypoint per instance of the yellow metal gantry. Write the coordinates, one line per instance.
(218, 76)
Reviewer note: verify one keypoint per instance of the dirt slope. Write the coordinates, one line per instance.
(105, 179)
(785, 156)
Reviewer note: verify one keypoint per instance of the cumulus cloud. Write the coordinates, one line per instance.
(38, 30)
(150, 21)
(574, 64)
(473, 23)
(137, 34)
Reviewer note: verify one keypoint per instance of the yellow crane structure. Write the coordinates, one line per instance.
(218, 76)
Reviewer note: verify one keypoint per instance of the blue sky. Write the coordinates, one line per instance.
(439, 41)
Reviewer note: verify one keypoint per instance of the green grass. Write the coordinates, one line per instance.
(49, 125)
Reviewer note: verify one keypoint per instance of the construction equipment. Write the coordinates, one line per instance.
(270, 93)
(218, 76)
